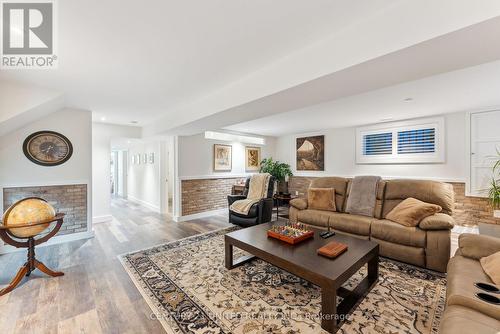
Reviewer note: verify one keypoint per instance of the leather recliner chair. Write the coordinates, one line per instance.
(259, 213)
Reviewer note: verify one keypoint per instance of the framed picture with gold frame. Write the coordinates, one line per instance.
(252, 159)
(223, 158)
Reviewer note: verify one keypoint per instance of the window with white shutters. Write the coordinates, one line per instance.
(415, 141)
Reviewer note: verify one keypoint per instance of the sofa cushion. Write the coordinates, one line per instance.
(491, 266)
(411, 211)
(299, 203)
(353, 224)
(462, 274)
(460, 319)
(337, 183)
(438, 221)
(315, 217)
(434, 192)
(321, 199)
(393, 232)
(408, 254)
(476, 246)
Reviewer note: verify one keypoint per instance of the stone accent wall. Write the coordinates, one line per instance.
(202, 195)
(471, 210)
(69, 199)
(468, 211)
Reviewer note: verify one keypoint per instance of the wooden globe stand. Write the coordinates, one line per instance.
(32, 263)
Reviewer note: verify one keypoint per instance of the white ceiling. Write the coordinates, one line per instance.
(468, 89)
(130, 60)
(188, 66)
(450, 52)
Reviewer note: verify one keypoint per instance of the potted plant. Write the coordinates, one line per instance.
(280, 170)
(494, 190)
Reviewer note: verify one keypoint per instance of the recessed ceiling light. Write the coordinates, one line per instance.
(103, 119)
(408, 99)
(134, 122)
(386, 119)
(128, 141)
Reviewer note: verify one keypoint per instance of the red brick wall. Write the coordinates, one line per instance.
(69, 199)
(468, 210)
(205, 194)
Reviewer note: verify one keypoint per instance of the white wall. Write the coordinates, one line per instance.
(196, 156)
(101, 159)
(144, 181)
(17, 170)
(340, 155)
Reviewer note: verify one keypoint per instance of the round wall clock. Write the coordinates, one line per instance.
(47, 148)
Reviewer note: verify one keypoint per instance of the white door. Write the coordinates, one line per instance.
(484, 142)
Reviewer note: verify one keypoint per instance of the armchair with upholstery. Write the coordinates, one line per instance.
(259, 213)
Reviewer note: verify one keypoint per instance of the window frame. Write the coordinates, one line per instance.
(438, 156)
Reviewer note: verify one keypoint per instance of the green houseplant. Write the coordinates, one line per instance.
(279, 170)
(494, 189)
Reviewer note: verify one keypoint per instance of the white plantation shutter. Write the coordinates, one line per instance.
(418, 141)
(377, 144)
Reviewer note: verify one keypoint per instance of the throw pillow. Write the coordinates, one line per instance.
(411, 211)
(321, 199)
(491, 266)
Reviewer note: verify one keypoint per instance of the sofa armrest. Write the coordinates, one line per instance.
(476, 246)
(233, 198)
(438, 221)
(299, 203)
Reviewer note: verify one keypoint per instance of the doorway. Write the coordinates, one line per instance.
(118, 173)
(484, 143)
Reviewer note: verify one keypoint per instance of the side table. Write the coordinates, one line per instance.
(280, 200)
(237, 189)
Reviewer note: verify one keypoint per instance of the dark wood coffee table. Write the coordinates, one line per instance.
(302, 260)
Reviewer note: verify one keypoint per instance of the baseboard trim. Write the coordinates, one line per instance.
(102, 219)
(5, 249)
(199, 215)
(144, 203)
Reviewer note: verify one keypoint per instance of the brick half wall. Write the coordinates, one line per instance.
(468, 211)
(68, 199)
(201, 195)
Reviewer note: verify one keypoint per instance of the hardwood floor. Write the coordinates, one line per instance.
(95, 295)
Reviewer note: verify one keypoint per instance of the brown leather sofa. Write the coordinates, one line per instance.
(464, 312)
(427, 245)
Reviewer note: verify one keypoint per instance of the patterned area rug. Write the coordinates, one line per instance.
(190, 291)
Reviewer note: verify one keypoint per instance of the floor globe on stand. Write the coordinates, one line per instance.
(24, 225)
(28, 211)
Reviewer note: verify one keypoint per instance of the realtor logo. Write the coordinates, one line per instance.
(28, 35)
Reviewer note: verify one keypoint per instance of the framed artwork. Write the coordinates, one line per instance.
(151, 158)
(144, 158)
(252, 159)
(223, 158)
(138, 159)
(311, 153)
